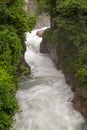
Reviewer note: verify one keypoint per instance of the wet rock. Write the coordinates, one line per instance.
(40, 33)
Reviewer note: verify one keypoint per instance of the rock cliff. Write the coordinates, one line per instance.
(55, 53)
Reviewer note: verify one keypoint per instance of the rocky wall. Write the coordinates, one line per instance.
(54, 53)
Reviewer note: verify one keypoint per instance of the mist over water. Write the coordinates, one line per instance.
(45, 99)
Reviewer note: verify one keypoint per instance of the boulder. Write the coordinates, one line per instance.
(40, 33)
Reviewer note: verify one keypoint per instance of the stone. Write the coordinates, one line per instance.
(40, 33)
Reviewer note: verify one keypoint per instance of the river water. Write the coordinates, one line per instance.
(45, 98)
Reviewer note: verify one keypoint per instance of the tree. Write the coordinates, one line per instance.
(14, 22)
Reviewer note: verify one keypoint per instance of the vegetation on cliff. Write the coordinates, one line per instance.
(69, 35)
(14, 21)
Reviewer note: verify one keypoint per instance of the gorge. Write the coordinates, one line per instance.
(43, 72)
(45, 98)
(48, 104)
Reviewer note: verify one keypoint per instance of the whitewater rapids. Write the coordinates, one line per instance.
(45, 98)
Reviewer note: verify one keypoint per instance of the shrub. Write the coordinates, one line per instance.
(8, 103)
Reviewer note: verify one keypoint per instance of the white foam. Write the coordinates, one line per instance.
(45, 99)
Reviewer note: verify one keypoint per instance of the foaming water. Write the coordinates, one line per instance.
(45, 100)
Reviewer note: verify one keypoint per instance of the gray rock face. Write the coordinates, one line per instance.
(43, 20)
(54, 53)
(46, 47)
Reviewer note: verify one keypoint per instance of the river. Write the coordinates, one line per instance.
(45, 99)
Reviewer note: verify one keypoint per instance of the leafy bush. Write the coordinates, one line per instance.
(5, 121)
(8, 103)
(10, 46)
(82, 76)
(69, 35)
(4, 13)
(14, 22)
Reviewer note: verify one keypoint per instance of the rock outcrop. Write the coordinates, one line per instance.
(53, 51)
(40, 33)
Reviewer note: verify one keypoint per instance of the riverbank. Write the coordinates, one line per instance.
(45, 99)
(14, 22)
(61, 53)
(66, 43)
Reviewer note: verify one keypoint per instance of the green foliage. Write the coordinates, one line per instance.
(5, 121)
(8, 2)
(82, 76)
(69, 35)
(72, 19)
(4, 13)
(14, 22)
(31, 21)
(47, 6)
(83, 54)
(85, 97)
(44, 5)
(25, 70)
(16, 16)
(10, 46)
(8, 103)
(71, 23)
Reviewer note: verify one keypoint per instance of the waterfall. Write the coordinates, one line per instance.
(45, 99)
